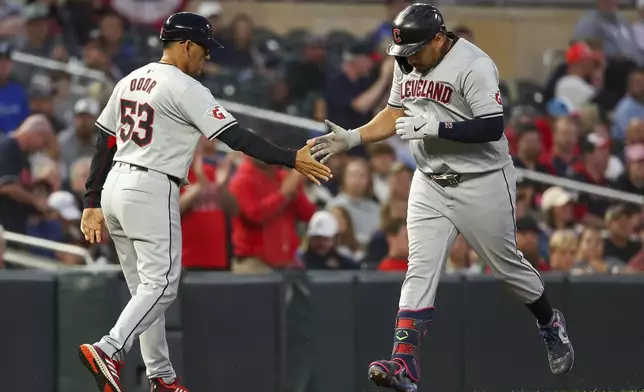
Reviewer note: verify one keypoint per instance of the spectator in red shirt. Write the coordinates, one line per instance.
(205, 204)
(271, 201)
(396, 260)
(562, 156)
(591, 169)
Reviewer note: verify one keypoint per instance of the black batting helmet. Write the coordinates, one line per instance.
(413, 27)
(187, 26)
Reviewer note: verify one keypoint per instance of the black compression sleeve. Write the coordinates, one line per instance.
(240, 139)
(478, 130)
(101, 165)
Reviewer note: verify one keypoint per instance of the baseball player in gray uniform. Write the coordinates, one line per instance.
(150, 127)
(445, 100)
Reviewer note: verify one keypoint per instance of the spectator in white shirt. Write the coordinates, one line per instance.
(575, 87)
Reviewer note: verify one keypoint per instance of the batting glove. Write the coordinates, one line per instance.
(416, 127)
(339, 140)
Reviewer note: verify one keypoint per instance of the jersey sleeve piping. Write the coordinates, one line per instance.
(490, 115)
(394, 105)
(222, 129)
(104, 129)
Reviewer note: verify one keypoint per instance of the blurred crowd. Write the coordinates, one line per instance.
(586, 123)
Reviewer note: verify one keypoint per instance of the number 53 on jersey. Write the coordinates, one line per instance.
(137, 120)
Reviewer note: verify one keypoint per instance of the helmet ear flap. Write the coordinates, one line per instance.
(405, 67)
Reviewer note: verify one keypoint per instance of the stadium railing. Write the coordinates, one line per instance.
(15, 256)
(304, 128)
(35, 242)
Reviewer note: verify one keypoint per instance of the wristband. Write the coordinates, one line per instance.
(353, 138)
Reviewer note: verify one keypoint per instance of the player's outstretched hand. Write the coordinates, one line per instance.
(312, 169)
(339, 140)
(416, 127)
(92, 224)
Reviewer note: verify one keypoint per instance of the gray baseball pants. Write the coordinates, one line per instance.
(141, 210)
(481, 208)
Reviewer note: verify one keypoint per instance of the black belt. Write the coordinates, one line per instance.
(174, 179)
(445, 180)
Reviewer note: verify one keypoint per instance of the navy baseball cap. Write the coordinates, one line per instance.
(527, 224)
(188, 26)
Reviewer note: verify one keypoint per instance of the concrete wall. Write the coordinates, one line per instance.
(317, 332)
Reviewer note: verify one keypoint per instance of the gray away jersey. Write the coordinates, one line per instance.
(158, 114)
(464, 85)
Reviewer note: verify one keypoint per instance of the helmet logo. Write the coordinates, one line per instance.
(396, 34)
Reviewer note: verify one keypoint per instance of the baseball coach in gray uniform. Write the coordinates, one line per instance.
(150, 129)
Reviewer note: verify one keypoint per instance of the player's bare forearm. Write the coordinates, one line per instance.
(382, 126)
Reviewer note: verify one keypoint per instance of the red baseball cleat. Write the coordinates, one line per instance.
(106, 371)
(157, 385)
